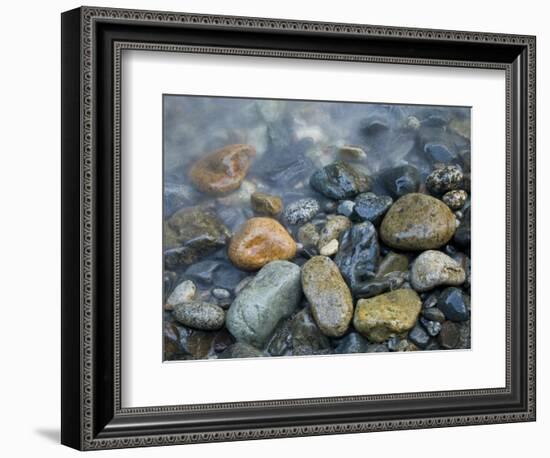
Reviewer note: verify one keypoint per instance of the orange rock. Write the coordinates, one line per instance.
(259, 241)
(223, 170)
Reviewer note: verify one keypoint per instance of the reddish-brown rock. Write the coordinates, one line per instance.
(259, 241)
(222, 171)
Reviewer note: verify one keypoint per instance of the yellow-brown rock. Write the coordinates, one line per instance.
(222, 171)
(259, 241)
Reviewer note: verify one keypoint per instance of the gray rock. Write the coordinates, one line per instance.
(463, 232)
(455, 199)
(371, 207)
(241, 350)
(301, 211)
(434, 268)
(433, 314)
(340, 180)
(431, 327)
(352, 343)
(272, 295)
(454, 304)
(200, 315)
(377, 348)
(419, 336)
(202, 272)
(184, 292)
(346, 207)
(449, 336)
(357, 256)
(221, 293)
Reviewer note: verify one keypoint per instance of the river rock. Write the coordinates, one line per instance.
(334, 227)
(445, 179)
(455, 199)
(192, 233)
(330, 249)
(272, 295)
(387, 315)
(329, 296)
(419, 336)
(200, 315)
(432, 327)
(241, 350)
(454, 304)
(352, 343)
(463, 232)
(184, 292)
(417, 222)
(346, 207)
(308, 236)
(266, 204)
(434, 268)
(301, 211)
(352, 153)
(392, 262)
(357, 256)
(449, 336)
(259, 241)
(339, 180)
(401, 180)
(433, 314)
(222, 171)
(375, 286)
(371, 207)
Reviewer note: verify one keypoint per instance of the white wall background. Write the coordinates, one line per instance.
(30, 214)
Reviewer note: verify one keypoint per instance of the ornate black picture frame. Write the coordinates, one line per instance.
(92, 42)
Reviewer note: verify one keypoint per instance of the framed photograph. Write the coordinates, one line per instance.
(276, 228)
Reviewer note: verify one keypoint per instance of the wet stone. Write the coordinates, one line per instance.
(447, 178)
(371, 207)
(202, 272)
(184, 292)
(419, 336)
(434, 268)
(463, 232)
(200, 315)
(455, 199)
(340, 180)
(241, 350)
(374, 287)
(401, 180)
(431, 327)
(392, 262)
(449, 336)
(352, 343)
(352, 153)
(454, 304)
(266, 204)
(301, 211)
(346, 207)
(433, 314)
(377, 348)
(333, 228)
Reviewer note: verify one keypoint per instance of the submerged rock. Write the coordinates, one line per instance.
(184, 292)
(200, 315)
(272, 295)
(455, 199)
(401, 180)
(259, 241)
(223, 170)
(352, 343)
(434, 268)
(266, 204)
(192, 233)
(417, 222)
(329, 296)
(387, 315)
(463, 232)
(376, 286)
(241, 350)
(357, 257)
(339, 180)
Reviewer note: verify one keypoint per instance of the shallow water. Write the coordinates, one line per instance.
(292, 140)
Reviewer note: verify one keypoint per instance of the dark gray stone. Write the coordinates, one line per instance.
(352, 343)
(419, 336)
(371, 207)
(454, 304)
(401, 180)
(339, 180)
(431, 327)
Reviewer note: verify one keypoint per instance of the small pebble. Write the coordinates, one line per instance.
(455, 199)
(431, 327)
(419, 336)
(301, 211)
(433, 314)
(221, 293)
(346, 208)
(446, 178)
(330, 249)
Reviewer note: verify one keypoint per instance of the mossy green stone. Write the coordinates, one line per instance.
(387, 315)
(418, 222)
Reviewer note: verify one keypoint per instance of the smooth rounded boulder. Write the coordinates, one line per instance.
(417, 222)
(273, 294)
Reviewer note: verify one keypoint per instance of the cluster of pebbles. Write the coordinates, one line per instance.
(268, 258)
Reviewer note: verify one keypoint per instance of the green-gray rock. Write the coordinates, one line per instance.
(387, 315)
(272, 295)
(192, 233)
(417, 222)
(392, 262)
(200, 315)
(434, 268)
(329, 296)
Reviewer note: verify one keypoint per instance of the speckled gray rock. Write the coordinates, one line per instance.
(455, 199)
(200, 315)
(272, 295)
(434, 268)
(301, 211)
(184, 292)
(340, 180)
(329, 296)
(445, 179)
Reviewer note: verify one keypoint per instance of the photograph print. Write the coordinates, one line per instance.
(313, 228)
